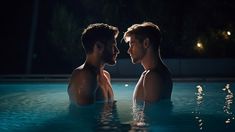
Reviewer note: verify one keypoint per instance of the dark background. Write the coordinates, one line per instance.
(54, 33)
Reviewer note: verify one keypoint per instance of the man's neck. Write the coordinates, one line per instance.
(95, 61)
(151, 61)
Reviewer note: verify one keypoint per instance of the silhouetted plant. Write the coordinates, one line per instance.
(64, 35)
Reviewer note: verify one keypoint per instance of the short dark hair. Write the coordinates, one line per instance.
(97, 32)
(143, 31)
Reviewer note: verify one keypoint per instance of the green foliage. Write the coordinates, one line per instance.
(64, 35)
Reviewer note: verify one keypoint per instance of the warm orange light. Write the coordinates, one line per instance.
(228, 33)
(199, 45)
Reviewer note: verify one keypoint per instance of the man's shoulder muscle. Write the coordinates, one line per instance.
(83, 78)
(152, 76)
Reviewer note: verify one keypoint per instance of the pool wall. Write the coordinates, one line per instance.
(179, 68)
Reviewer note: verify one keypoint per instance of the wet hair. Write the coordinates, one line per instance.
(143, 31)
(97, 32)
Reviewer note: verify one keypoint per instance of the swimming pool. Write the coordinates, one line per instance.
(196, 106)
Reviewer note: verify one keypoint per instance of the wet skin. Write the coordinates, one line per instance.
(89, 83)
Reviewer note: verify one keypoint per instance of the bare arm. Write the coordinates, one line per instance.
(82, 88)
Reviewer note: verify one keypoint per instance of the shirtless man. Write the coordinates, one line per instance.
(155, 83)
(89, 82)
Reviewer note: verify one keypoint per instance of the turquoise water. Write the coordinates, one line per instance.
(204, 106)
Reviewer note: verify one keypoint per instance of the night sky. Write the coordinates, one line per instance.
(195, 29)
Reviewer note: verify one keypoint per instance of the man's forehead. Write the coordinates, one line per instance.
(129, 38)
(132, 38)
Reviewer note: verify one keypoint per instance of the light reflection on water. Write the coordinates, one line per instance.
(99, 117)
(199, 100)
(45, 108)
(138, 115)
(227, 104)
(147, 116)
(199, 108)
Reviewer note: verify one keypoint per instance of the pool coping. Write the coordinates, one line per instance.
(66, 79)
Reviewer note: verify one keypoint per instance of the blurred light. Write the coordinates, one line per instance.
(226, 34)
(199, 45)
(228, 121)
(126, 85)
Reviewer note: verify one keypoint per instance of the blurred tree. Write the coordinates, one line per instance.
(64, 36)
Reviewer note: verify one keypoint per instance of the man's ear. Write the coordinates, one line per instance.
(146, 43)
(99, 46)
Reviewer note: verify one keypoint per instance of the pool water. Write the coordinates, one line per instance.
(204, 106)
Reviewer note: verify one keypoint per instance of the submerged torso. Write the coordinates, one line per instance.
(165, 80)
(102, 90)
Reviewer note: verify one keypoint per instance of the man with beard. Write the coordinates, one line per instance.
(89, 82)
(155, 83)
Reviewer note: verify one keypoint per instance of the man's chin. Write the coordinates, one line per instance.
(134, 61)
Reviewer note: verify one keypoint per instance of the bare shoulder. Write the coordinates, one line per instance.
(82, 86)
(157, 85)
(153, 81)
(107, 74)
(152, 76)
(81, 75)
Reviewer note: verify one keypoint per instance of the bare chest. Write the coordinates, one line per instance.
(139, 90)
(104, 91)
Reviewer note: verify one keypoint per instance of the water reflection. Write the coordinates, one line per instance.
(107, 119)
(228, 104)
(139, 122)
(98, 117)
(199, 100)
(145, 115)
